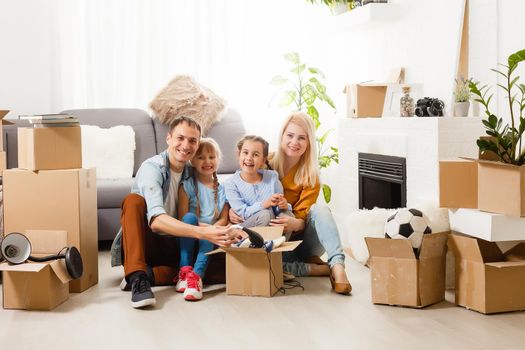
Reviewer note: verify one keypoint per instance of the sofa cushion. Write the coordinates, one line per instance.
(138, 119)
(226, 132)
(110, 150)
(111, 192)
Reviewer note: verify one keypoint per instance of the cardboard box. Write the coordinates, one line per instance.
(56, 200)
(398, 278)
(458, 184)
(3, 122)
(254, 272)
(49, 148)
(365, 100)
(487, 226)
(501, 188)
(3, 162)
(485, 282)
(37, 286)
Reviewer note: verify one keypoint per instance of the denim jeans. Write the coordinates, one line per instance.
(187, 248)
(320, 235)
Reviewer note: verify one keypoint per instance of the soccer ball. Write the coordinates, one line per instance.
(408, 224)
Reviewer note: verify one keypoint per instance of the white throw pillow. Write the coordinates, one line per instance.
(111, 151)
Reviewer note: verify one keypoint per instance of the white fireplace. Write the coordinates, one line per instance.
(422, 141)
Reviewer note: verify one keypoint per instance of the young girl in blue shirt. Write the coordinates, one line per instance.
(201, 202)
(254, 193)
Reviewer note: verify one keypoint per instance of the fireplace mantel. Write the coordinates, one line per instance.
(422, 141)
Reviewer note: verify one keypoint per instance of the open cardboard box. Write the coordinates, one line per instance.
(254, 272)
(500, 186)
(37, 286)
(398, 278)
(486, 280)
(56, 200)
(49, 148)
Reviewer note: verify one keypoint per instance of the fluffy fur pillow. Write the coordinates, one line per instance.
(183, 96)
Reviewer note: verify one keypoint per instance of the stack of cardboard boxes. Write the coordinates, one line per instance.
(50, 193)
(490, 201)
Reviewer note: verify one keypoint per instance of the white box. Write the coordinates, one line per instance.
(487, 226)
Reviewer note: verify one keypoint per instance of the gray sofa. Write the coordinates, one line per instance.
(150, 139)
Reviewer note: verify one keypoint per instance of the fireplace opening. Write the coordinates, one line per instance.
(382, 181)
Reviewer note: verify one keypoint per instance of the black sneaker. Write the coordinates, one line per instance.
(126, 286)
(141, 294)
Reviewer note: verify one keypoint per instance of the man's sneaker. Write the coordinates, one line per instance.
(126, 286)
(193, 290)
(181, 284)
(141, 294)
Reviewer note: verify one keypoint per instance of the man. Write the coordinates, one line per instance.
(148, 213)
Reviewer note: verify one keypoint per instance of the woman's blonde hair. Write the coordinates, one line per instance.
(209, 144)
(308, 172)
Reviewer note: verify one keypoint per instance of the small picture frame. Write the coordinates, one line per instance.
(394, 92)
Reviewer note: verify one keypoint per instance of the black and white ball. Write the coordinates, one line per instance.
(408, 224)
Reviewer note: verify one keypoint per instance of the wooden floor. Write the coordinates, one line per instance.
(315, 318)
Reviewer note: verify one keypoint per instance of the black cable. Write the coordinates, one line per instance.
(288, 284)
(48, 258)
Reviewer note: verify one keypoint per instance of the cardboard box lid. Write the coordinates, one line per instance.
(433, 245)
(470, 248)
(458, 183)
(285, 247)
(516, 253)
(505, 264)
(3, 113)
(388, 248)
(494, 163)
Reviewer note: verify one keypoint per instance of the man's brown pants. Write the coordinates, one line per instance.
(142, 247)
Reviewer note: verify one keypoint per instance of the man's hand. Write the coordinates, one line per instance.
(222, 236)
(234, 218)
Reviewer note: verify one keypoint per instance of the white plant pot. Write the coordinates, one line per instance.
(338, 9)
(461, 109)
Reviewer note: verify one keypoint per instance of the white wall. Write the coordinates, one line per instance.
(29, 69)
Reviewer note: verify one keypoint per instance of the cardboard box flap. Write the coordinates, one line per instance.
(470, 248)
(59, 268)
(494, 162)
(385, 247)
(46, 241)
(505, 264)
(269, 232)
(3, 113)
(285, 247)
(433, 245)
(458, 184)
(29, 267)
(516, 253)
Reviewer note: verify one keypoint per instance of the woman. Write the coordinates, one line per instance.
(296, 163)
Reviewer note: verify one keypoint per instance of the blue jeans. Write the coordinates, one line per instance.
(187, 248)
(320, 235)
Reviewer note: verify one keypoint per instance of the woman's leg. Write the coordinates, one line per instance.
(321, 235)
(187, 245)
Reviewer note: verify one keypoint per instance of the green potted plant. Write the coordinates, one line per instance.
(502, 183)
(337, 6)
(461, 97)
(304, 90)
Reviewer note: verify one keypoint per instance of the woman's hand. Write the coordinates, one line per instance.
(282, 203)
(289, 223)
(234, 218)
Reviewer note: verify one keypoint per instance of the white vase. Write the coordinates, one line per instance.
(338, 8)
(461, 109)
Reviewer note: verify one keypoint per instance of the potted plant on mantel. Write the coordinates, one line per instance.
(502, 182)
(462, 97)
(305, 91)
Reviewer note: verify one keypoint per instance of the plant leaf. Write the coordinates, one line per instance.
(320, 87)
(299, 69)
(316, 71)
(308, 94)
(292, 57)
(288, 97)
(312, 112)
(278, 80)
(327, 193)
